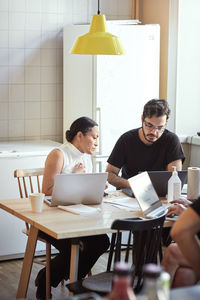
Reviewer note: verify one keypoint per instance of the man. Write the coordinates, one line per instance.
(182, 259)
(151, 147)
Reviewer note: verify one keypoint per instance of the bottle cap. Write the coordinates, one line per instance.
(123, 269)
(152, 270)
(174, 170)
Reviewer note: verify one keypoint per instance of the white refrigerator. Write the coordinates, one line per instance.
(17, 155)
(111, 89)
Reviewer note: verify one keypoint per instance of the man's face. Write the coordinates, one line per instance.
(153, 128)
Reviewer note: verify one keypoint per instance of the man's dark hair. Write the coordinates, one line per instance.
(156, 107)
(83, 124)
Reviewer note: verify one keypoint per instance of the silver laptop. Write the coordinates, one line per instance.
(71, 189)
(146, 196)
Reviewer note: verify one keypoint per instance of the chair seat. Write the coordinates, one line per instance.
(101, 283)
(76, 287)
(143, 246)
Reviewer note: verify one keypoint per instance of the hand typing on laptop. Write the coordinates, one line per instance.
(183, 201)
(175, 210)
(178, 207)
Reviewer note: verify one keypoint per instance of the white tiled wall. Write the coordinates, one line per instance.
(31, 62)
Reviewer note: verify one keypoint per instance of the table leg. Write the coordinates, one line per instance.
(27, 263)
(74, 262)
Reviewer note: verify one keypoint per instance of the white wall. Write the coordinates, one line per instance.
(184, 66)
(188, 68)
(31, 62)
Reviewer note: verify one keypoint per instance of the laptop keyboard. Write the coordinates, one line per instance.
(158, 211)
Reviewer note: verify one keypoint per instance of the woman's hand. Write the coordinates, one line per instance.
(176, 209)
(79, 168)
(107, 184)
(185, 202)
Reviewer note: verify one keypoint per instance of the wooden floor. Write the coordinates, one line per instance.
(10, 273)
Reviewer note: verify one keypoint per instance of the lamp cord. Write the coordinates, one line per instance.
(98, 12)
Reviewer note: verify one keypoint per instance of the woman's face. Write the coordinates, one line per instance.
(89, 142)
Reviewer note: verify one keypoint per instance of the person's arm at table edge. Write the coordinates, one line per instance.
(175, 163)
(184, 233)
(119, 182)
(114, 179)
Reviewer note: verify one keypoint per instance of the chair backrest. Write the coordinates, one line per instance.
(28, 181)
(145, 244)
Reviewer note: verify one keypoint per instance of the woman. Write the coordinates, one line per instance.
(74, 156)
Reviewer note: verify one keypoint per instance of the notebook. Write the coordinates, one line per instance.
(159, 180)
(146, 196)
(71, 189)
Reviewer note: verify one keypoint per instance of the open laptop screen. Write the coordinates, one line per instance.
(87, 188)
(143, 190)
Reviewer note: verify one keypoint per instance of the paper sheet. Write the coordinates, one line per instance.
(126, 203)
(80, 209)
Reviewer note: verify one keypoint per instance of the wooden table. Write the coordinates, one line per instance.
(59, 224)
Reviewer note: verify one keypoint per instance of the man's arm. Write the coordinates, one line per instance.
(176, 163)
(114, 179)
(184, 233)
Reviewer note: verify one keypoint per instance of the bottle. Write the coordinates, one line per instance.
(165, 284)
(174, 186)
(122, 283)
(156, 283)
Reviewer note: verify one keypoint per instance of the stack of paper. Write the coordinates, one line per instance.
(80, 209)
(126, 203)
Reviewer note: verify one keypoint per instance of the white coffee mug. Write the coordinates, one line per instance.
(37, 200)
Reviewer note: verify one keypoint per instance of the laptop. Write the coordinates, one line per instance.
(71, 189)
(146, 196)
(159, 180)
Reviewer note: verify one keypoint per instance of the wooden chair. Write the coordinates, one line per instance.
(29, 182)
(141, 249)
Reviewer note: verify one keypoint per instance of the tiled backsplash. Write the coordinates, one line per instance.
(31, 61)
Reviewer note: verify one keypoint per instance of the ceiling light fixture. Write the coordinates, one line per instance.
(98, 40)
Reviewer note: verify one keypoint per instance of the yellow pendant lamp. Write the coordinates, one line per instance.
(97, 40)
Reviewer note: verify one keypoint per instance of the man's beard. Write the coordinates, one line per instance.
(145, 136)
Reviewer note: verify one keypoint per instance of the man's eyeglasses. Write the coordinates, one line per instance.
(151, 127)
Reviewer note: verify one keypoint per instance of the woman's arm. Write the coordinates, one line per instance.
(184, 233)
(53, 165)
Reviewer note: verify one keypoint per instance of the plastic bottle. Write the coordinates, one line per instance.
(122, 283)
(156, 283)
(174, 186)
(165, 284)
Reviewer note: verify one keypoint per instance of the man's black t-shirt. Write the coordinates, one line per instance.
(132, 156)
